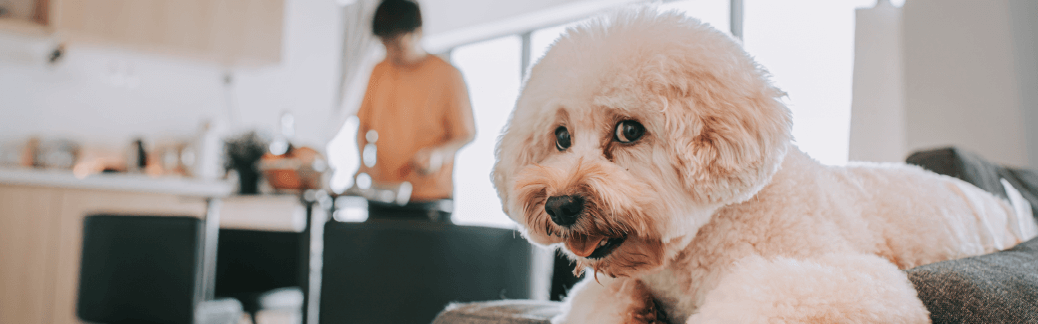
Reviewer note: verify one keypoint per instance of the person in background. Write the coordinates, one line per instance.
(418, 106)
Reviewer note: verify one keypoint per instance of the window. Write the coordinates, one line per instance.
(811, 58)
(542, 39)
(713, 12)
(343, 155)
(491, 71)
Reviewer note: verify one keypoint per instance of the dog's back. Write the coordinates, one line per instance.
(903, 213)
(925, 217)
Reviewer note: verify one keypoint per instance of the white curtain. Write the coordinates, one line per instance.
(360, 53)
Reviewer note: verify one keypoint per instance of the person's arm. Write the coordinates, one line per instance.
(458, 120)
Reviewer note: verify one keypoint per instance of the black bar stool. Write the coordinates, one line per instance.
(408, 270)
(146, 269)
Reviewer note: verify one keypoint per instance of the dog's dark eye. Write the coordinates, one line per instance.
(629, 131)
(562, 140)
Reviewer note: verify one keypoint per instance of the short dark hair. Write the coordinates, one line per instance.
(395, 17)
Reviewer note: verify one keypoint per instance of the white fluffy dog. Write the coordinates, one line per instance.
(655, 150)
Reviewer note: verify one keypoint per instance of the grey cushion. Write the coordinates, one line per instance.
(514, 311)
(1001, 287)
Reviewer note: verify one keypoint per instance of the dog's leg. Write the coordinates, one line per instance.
(829, 289)
(610, 300)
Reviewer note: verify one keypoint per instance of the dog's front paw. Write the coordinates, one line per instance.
(611, 301)
(646, 309)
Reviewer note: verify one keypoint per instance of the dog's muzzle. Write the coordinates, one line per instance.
(564, 210)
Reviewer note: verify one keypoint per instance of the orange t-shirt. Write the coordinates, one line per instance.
(413, 107)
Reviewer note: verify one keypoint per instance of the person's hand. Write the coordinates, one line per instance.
(427, 160)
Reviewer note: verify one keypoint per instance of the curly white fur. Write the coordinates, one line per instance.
(723, 219)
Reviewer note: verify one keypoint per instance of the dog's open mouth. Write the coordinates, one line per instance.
(594, 246)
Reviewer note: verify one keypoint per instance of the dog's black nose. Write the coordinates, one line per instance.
(564, 210)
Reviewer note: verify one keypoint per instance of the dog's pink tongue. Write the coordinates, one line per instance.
(583, 246)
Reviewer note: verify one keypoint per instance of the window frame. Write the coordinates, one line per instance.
(735, 12)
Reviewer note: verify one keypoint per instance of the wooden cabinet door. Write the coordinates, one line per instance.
(248, 32)
(92, 20)
(28, 250)
(229, 32)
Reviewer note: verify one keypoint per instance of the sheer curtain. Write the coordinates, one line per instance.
(360, 52)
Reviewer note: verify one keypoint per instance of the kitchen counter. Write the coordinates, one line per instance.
(116, 182)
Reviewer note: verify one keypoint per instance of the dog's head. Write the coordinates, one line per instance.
(631, 132)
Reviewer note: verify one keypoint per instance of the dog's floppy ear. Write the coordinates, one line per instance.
(731, 133)
(507, 153)
(520, 145)
(514, 150)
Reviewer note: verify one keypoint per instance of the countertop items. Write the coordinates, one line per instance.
(297, 169)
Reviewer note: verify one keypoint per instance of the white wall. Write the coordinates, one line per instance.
(961, 62)
(85, 96)
(307, 79)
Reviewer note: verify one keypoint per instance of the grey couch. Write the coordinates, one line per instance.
(1001, 287)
